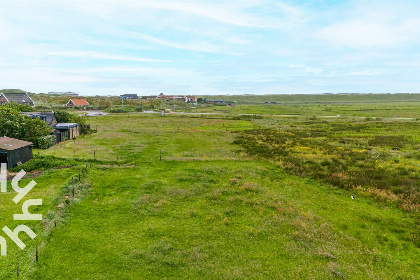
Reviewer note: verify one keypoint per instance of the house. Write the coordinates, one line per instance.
(215, 101)
(188, 98)
(149, 97)
(63, 93)
(77, 102)
(48, 117)
(14, 151)
(191, 98)
(130, 96)
(66, 131)
(18, 98)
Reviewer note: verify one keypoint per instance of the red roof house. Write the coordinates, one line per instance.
(77, 102)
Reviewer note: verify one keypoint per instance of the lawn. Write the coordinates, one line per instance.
(174, 198)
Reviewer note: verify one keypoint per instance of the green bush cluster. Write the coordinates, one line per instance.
(15, 125)
(44, 163)
(20, 107)
(66, 117)
(247, 117)
(46, 141)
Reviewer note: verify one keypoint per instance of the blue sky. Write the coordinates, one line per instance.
(198, 47)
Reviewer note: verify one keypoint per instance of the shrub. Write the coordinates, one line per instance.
(247, 117)
(46, 141)
(20, 107)
(43, 163)
(300, 154)
(14, 124)
(66, 117)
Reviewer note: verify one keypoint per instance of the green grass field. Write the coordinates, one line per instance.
(175, 198)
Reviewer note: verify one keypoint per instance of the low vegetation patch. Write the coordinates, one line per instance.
(345, 156)
(41, 162)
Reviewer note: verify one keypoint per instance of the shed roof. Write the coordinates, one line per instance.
(65, 125)
(10, 144)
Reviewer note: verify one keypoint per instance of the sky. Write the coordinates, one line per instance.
(203, 47)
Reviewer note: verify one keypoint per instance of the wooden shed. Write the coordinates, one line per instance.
(72, 128)
(14, 151)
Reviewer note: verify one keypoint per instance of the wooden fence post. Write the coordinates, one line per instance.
(36, 251)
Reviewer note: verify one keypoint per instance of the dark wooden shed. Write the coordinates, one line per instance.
(73, 130)
(14, 151)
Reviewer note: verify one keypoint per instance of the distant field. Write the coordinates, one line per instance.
(382, 110)
(319, 98)
(180, 197)
(355, 105)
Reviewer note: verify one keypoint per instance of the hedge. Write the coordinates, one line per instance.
(46, 141)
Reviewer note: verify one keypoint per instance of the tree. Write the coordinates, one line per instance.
(20, 107)
(14, 124)
(66, 117)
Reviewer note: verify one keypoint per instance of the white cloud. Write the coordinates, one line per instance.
(201, 44)
(139, 71)
(196, 46)
(366, 73)
(304, 69)
(240, 13)
(369, 25)
(366, 32)
(97, 55)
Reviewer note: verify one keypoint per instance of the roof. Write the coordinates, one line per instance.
(65, 125)
(79, 102)
(48, 116)
(19, 98)
(10, 144)
(129, 94)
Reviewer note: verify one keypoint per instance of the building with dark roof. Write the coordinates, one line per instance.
(14, 151)
(48, 117)
(18, 98)
(63, 93)
(130, 96)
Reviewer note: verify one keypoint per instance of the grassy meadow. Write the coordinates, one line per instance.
(225, 196)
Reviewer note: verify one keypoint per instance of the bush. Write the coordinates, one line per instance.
(44, 163)
(66, 117)
(247, 117)
(46, 141)
(49, 162)
(15, 125)
(20, 107)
